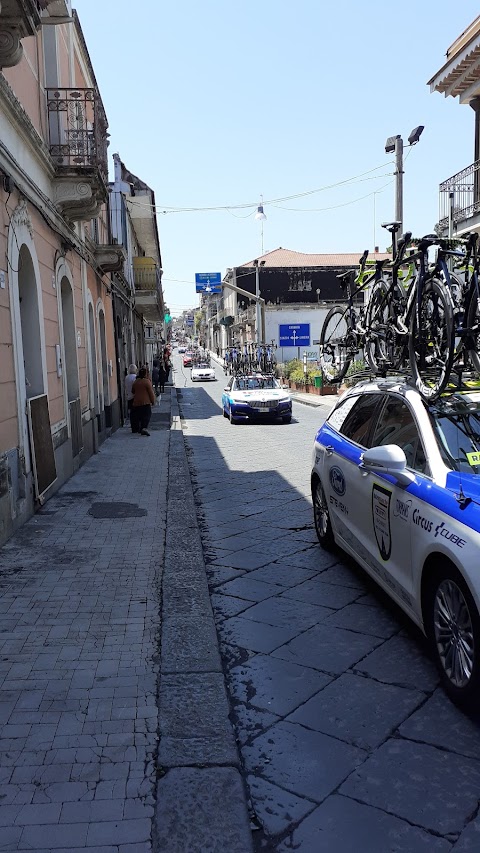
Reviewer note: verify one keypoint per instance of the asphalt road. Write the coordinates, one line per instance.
(347, 741)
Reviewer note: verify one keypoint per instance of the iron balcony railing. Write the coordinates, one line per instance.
(77, 127)
(146, 276)
(465, 186)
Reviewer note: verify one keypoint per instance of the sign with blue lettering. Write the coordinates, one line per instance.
(294, 334)
(208, 282)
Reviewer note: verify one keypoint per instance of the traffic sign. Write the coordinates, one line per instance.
(294, 334)
(208, 282)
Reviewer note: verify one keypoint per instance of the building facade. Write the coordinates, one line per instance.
(59, 356)
(459, 77)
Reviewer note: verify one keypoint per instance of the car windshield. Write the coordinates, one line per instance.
(202, 366)
(253, 383)
(456, 422)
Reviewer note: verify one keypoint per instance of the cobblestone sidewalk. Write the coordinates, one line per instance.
(78, 641)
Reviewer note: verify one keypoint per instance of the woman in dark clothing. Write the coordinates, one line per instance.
(143, 400)
(162, 376)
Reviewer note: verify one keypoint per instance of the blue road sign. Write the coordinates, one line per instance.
(208, 282)
(294, 334)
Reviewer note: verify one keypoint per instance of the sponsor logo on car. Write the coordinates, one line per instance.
(443, 531)
(381, 520)
(402, 509)
(337, 480)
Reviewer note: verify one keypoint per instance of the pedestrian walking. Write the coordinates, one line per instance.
(162, 376)
(166, 364)
(218, 352)
(129, 380)
(156, 376)
(143, 400)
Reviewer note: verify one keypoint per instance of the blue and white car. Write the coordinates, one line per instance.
(256, 397)
(396, 483)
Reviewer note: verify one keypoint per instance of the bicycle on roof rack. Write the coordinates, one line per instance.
(344, 329)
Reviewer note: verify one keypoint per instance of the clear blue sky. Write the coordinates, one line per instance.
(214, 103)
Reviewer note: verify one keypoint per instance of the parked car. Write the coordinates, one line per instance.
(187, 359)
(396, 483)
(202, 372)
(256, 397)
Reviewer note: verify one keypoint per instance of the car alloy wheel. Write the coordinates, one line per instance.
(453, 625)
(321, 517)
(453, 629)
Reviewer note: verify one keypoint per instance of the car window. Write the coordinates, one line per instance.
(396, 425)
(358, 423)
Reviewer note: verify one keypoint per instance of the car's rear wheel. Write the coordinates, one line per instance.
(321, 515)
(453, 627)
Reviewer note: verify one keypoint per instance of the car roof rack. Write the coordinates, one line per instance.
(460, 381)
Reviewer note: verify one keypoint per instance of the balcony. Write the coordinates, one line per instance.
(77, 127)
(147, 278)
(465, 186)
(22, 18)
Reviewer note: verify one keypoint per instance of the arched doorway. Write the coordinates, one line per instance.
(92, 358)
(103, 356)
(69, 342)
(30, 344)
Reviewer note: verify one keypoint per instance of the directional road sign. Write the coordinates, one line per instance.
(208, 282)
(294, 334)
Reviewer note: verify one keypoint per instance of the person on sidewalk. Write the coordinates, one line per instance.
(129, 380)
(162, 376)
(143, 400)
(156, 376)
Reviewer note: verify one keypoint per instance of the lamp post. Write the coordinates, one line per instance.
(394, 144)
(259, 330)
(261, 216)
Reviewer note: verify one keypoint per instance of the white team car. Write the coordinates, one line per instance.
(256, 397)
(202, 372)
(396, 483)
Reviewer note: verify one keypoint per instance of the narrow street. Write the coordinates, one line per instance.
(347, 741)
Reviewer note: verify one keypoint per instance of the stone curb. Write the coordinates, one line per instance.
(201, 799)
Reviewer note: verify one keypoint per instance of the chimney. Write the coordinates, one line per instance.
(376, 250)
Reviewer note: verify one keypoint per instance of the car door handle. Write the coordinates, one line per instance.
(329, 449)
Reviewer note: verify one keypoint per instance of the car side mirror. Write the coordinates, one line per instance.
(226, 388)
(388, 459)
(285, 388)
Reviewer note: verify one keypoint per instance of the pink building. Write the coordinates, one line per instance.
(58, 363)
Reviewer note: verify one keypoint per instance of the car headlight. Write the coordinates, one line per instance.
(284, 400)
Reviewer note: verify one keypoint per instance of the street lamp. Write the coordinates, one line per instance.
(395, 144)
(259, 332)
(260, 216)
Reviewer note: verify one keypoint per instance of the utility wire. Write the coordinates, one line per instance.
(161, 208)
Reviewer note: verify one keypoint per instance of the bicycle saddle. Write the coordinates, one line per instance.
(393, 227)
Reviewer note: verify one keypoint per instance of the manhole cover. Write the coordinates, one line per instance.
(116, 509)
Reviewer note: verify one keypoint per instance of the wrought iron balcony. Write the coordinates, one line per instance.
(147, 277)
(77, 127)
(465, 186)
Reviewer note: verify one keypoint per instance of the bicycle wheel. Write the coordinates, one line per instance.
(335, 352)
(432, 345)
(385, 345)
(473, 324)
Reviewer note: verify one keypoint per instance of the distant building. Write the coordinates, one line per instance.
(293, 284)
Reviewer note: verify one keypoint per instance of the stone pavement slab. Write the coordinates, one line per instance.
(82, 586)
